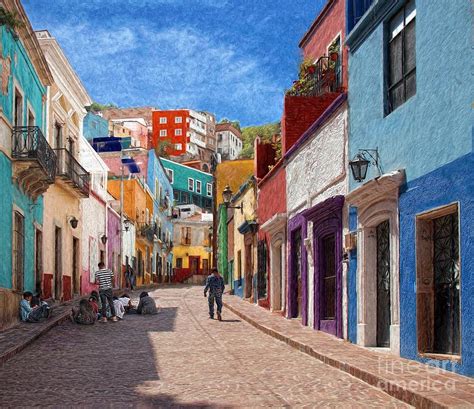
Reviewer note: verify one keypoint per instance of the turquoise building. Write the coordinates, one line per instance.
(163, 199)
(27, 162)
(190, 186)
(95, 126)
(410, 280)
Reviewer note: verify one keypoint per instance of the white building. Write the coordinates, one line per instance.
(229, 141)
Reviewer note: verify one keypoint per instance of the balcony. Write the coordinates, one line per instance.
(70, 171)
(34, 161)
(146, 232)
(324, 76)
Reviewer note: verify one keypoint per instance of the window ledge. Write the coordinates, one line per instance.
(441, 357)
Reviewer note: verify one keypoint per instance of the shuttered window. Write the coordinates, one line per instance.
(402, 56)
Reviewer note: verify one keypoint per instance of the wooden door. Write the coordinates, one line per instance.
(383, 284)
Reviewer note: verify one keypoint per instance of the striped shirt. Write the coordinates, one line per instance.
(104, 277)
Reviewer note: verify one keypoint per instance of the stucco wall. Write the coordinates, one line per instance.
(446, 185)
(433, 127)
(232, 173)
(113, 244)
(318, 170)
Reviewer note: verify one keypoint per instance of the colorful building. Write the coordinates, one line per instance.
(314, 136)
(192, 243)
(229, 141)
(410, 281)
(245, 241)
(163, 200)
(271, 214)
(138, 206)
(186, 132)
(190, 186)
(93, 225)
(27, 161)
(61, 234)
(233, 174)
(95, 126)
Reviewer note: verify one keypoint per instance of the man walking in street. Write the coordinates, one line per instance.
(215, 286)
(104, 277)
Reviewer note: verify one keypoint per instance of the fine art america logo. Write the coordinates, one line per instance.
(415, 376)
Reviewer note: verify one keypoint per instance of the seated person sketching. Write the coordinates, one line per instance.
(119, 308)
(126, 302)
(146, 305)
(84, 314)
(34, 313)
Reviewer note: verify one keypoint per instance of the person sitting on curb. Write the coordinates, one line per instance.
(215, 286)
(119, 308)
(146, 305)
(84, 314)
(33, 314)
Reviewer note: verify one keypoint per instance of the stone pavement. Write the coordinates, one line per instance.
(178, 358)
(418, 384)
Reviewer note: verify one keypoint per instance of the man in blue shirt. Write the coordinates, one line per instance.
(215, 286)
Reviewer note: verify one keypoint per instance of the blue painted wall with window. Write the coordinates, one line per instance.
(429, 135)
(24, 78)
(190, 185)
(95, 126)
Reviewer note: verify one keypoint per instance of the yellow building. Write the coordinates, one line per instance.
(244, 239)
(138, 206)
(232, 173)
(192, 252)
(62, 218)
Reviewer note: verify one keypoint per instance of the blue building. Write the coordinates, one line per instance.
(410, 280)
(95, 126)
(163, 199)
(27, 162)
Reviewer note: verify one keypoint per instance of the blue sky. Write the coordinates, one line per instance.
(231, 57)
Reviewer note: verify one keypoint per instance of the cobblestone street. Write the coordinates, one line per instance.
(178, 358)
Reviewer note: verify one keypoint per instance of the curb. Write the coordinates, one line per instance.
(391, 388)
(59, 319)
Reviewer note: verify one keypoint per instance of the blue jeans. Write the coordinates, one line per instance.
(218, 299)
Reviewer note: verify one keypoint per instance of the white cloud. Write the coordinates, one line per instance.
(174, 67)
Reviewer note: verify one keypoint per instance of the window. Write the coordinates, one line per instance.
(163, 132)
(178, 132)
(191, 184)
(163, 120)
(186, 236)
(31, 118)
(170, 173)
(18, 105)
(185, 198)
(178, 120)
(178, 146)
(179, 262)
(18, 247)
(401, 57)
(219, 137)
(209, 189)
(198, 186)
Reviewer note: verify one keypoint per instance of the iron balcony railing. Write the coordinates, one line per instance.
(324, 76)
(147, 231)
(29, 144)
(70, 169)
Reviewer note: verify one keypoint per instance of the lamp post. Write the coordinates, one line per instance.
(361, 161)
(227, 197)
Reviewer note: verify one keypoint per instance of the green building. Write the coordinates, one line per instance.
(190, 186)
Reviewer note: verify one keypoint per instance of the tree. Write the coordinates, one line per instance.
(97, 107)
(163, 148)
(265, 132)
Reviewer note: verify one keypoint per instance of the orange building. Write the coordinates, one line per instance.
(173, 127)
(138, 208)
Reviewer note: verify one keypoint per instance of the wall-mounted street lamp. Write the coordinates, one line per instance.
(227, 197)
(72, 221)
(104, 239)
(361, 161)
